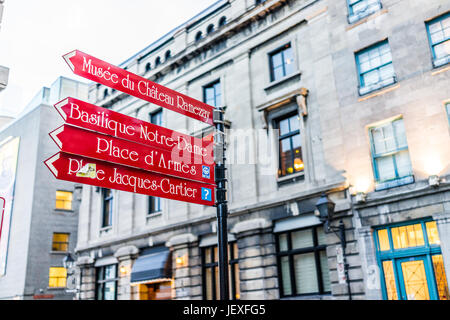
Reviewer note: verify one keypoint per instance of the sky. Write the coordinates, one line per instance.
(35, 34)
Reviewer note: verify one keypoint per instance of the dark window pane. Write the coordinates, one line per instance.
(286, 276)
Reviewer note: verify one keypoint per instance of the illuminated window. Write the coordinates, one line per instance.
(375, 67)
(390, 155)
(64, 200)
(210, 258)
(60, 242)
(57, 277)
(212, 94)
(282, 63)
(290, 146)
(358, 9)
(411, 262)
(303, 262)
(439, 37)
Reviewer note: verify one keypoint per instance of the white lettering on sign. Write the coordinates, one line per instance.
(99, 72)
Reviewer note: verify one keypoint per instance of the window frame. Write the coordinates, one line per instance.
(212, 85)
(64, 201)
(101, 282)
(381, 83)
(111, 206)
(281, 49)
(232, 261)
(397, 181)
(432, 45)
(60, 243)
(154, 205)
(353, 17)
(289, 136)
(427, 250)
(65, 278)
(290, 253)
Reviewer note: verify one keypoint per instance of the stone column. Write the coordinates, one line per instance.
(86, 283)
(443, 225)
(257, 260)
(126, 256)
(187, 269)
(369, 265)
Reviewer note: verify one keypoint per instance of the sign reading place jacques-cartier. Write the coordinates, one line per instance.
(117, 78)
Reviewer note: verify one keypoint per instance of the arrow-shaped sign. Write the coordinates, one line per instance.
(102, 147)
(92, 117)
(117, 78)
(113, 176)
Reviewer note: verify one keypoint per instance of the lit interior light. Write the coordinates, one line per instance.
(298, 164)
(290, 170)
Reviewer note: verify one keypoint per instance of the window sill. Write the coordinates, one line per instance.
(282, 80)
(64, 210)
(153, 215)
(440, 69)
(105, 231)
(377, 86)
(441, 62)
(59, 252)
(299, 176)
(56, 288)
(363, 14)
(366, 18)
(380, 186)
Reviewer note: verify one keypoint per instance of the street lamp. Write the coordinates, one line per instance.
(325, 210)
(69, 264)
(68, 261)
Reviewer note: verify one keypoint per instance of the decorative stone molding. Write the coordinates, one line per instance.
(125, 253)
(301, 102)
(181, 239)
(249, 225)
(84, 261)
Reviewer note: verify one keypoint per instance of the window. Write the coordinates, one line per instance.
(198, 36)
(259, 1)
(358, 9)
(222, 21)
(107, 199)
(168, 55)
(302, 262)
(148, 67)
(390, 155)
(156, 117)
(210, 29)
(212, 94)
(106, 284)
(57, 277)
(154, 205)
(375, 68)
(290, 146)
(64, 200)
(281, 63)
(157, 61)
(210, 258)
(60, 242)
(410, 260)
(447, 108)
(439, 37)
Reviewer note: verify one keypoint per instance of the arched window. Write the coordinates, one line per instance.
(210, 29)
(148, 67)
(198, 36)
(157, 61)
(105, 93)
(222, 21)
(168, 55)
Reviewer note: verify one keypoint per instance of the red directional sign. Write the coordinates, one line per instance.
(117, 78)
(113, 176)
(89, 116)
(2, 212)
(102, 147)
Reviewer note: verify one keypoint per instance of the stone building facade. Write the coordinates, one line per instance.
(343, 98)
(39, 226)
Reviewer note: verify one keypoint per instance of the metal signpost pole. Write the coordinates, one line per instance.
(222, 208)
